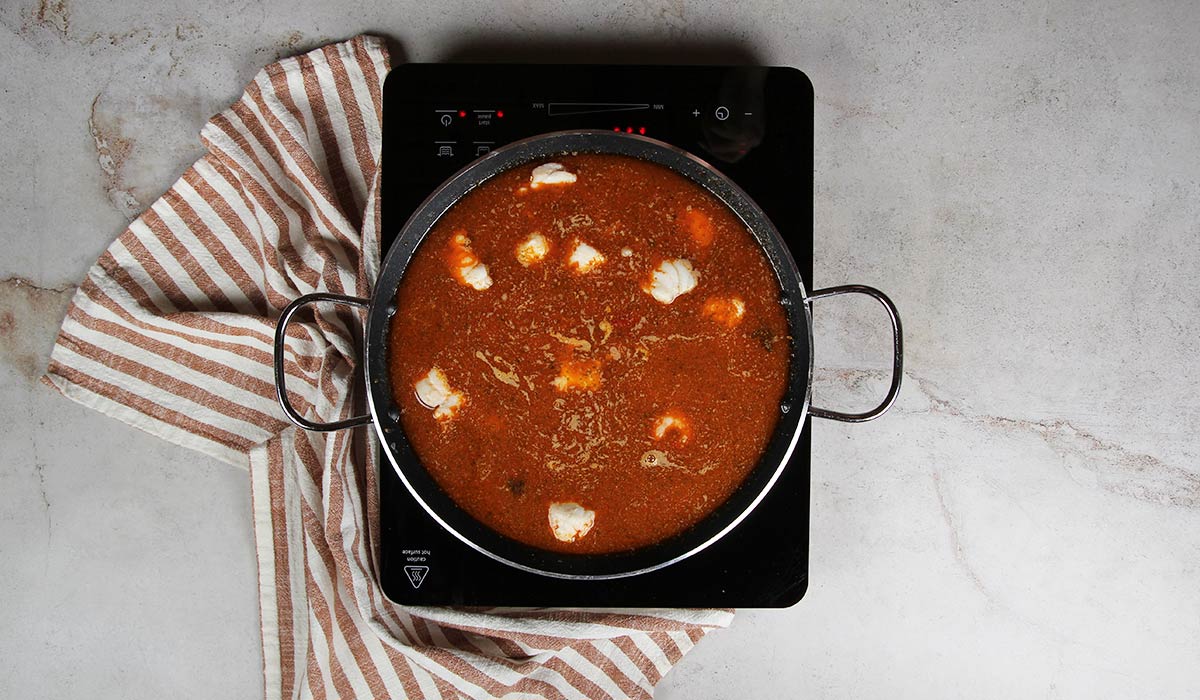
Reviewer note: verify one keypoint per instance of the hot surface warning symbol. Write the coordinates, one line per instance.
(416, 575)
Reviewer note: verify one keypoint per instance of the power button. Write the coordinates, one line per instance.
(721, 113)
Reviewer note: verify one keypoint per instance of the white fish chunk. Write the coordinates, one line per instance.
(434, 392)
(672, 279)
(570, 521)
(585, 258)
(465, 265)
(532, 249)
(550, 174)
(477, 277)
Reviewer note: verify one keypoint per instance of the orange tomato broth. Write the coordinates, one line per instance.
(581, 387)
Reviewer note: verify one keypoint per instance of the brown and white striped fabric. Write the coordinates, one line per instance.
(172, 332)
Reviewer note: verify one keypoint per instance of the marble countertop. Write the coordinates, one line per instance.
(1024, 183)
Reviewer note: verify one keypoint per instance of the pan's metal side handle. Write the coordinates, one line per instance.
(897, 362)
(281, 376)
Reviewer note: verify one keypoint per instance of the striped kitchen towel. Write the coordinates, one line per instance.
(172, 332)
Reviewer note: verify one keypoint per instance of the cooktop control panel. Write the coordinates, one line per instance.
(752, 123)
(456, 129)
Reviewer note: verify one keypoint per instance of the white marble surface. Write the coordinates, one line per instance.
(1024, 182)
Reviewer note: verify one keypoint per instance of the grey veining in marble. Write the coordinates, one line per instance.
(1023, 179)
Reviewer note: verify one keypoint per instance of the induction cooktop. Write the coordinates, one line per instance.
(755, 124)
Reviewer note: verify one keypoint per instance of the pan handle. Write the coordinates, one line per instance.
(281, 376)
(897, 362)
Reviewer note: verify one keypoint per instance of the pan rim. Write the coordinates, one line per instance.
(516, 154)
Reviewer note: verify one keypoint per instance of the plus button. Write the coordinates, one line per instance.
(695, 112)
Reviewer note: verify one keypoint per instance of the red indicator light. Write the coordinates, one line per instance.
(616, 128)
(499, 114)
(462, 113)
(629, 129)
(642, 130)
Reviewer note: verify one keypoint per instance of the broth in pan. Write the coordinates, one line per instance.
(589, 354)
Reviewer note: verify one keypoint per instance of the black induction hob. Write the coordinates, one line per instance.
(755, 125)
